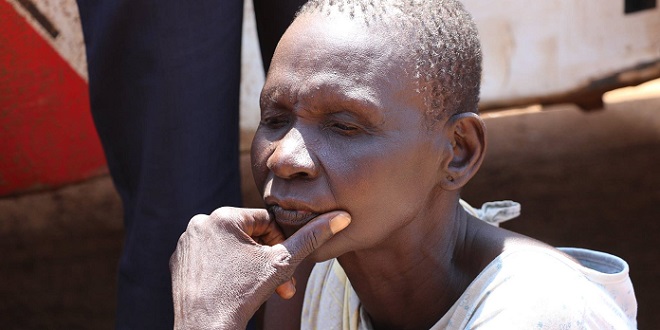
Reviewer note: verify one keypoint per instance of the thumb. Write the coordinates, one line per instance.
(315, 233)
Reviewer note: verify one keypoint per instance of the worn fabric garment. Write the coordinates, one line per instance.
(523, 288)
(531, 288)
(493, 213)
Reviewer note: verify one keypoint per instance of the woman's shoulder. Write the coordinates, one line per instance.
(533, 262)
(542, 287)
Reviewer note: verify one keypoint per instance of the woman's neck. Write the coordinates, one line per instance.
(412, 279)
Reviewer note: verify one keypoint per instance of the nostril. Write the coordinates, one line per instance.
(288, 168)
(300, 175)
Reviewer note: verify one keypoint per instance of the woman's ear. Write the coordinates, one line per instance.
(467, 145)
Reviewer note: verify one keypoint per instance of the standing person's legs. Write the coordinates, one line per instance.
(164, 86)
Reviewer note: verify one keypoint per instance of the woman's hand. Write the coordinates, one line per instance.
(229, 263)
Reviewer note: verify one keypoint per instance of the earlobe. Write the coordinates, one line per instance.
(467, 146)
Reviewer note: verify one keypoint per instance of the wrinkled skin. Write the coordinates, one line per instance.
(343, 129)
(227, 264)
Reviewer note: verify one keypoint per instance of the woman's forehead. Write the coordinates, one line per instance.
(313, 36)
(322, 48)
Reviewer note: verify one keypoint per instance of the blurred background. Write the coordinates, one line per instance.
(567, 139)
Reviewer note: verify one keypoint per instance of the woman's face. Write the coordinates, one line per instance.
(342, 128)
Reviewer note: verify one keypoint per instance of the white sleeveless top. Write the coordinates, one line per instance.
(531, 288)
(527, 288)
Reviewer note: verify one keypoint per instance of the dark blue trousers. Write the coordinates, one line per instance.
(164, 87)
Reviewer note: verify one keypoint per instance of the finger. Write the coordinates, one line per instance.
(315, 233)
(261, 226)
(287, 289)
(256, 223)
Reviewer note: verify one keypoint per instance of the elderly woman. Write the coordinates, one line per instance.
(368, 133)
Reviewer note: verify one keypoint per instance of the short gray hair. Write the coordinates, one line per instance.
(446, 55)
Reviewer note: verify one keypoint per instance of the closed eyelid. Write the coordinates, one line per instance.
(350, 119)
(324, 100)
(342, 107)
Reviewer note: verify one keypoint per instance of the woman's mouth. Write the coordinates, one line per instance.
(291, 218)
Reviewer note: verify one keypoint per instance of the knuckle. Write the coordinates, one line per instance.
(198, 220)
(224, 212)
(197, 223)
(313, 240)
(281, 256)
(227, 217)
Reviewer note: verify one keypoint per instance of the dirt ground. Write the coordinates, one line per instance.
(584, 179)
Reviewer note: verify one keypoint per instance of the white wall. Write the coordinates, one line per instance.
(536, 48)
(252, 71)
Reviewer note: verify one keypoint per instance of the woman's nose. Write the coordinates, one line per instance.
(292, 158)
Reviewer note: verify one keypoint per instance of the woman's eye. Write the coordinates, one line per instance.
(346, 129)
(275, 122)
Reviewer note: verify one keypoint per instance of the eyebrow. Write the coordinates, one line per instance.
(356, 103)
(270, 95)
(356, 100)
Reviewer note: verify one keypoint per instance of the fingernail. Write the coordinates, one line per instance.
(292, 290)
(339, 222)
(289, 292)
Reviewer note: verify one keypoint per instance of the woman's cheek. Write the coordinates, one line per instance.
(259, 159)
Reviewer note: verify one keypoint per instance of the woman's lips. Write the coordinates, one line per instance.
(285, 217)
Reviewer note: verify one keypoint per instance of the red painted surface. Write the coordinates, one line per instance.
(47, 137)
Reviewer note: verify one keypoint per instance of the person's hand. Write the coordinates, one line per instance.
(229, 263)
